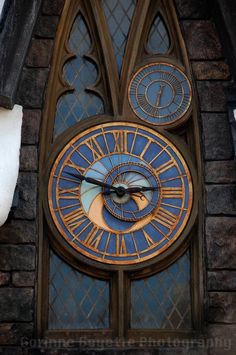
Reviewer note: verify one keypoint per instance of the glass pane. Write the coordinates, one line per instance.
(119, 14)
(80, 74)
(158, 39)
(163, 301)
(76, 301)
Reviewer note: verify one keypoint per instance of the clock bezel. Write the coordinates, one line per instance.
(157, 262)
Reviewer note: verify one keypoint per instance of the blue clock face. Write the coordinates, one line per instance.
(160, 94)
(120, 193)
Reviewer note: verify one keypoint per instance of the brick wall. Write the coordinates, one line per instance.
(19, 236)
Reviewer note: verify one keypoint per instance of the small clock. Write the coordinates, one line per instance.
(119, 193)
(160, 94)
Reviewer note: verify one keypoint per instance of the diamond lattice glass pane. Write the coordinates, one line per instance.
(158, 39)
(80, 74)
(163, 301)
(76, 301)
(119, 14)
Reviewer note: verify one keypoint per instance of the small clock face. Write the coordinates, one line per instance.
(160, 93)
(120, 193)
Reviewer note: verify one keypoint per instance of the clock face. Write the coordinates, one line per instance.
(120, 193)
(160, 93)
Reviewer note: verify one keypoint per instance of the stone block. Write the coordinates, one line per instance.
(221, 242)
(220, 172)
(23, 279)
(29, 158)
(221, 280)
(31, 87)
(202, 40)
(192, 9)
(222, 307)
(212, 96)
(27, 183)
(12, 333)
(46, 26)
(53, 7)
(216, 137)
(4, 278)
(211, 70)
(14, 232)
(40, 53)
(30, 126)
(16, 304)
(221, 199)
(222, 339)
(17, 257)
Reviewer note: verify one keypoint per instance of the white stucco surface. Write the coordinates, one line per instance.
(10, 140)
(235, 114)
(1, 5)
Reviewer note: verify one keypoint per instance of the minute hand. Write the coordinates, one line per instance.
(92, 181)
(132, 190)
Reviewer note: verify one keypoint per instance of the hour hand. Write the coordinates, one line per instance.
(91, 180)
(132, 190)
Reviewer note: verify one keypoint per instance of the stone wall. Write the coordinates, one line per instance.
(19, 236)
(212, 76)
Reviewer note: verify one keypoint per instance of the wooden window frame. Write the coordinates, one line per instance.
(113, 92)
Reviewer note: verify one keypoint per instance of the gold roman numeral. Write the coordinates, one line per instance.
(172, 192)
(121, 145)
(149, 240)
(74, 192)
(93, 238)
(121, 248)
(93, 145)
(166, 218)
(166, 166)
(76, 167)
(75, 218)
(145, 148)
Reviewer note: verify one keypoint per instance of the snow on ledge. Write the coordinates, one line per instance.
(10, 140)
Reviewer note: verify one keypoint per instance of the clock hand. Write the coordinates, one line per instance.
(121, 191)
(93, 181)
(159, 95)
(132, 190)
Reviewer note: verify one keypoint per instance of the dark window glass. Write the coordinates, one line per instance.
(158, 39)
(119, 14)
(80, 74)
(76, 301)
(163, 301)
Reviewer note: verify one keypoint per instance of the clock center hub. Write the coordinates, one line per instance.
(128, 202)
(120, 195)
(159, 94)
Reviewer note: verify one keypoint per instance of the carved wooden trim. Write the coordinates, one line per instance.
(113, 90)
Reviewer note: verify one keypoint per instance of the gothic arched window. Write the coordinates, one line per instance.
(120, 110)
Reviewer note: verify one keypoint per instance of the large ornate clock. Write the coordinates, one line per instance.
(119, 193)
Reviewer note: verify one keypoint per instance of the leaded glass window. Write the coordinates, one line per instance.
(76, 301)
(119, 14)
(158, 38)
(80, 73)
(163, 300)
